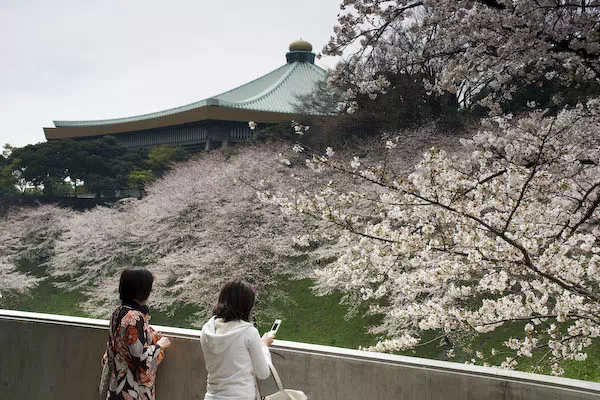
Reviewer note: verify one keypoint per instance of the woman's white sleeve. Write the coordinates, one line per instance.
(259, 353)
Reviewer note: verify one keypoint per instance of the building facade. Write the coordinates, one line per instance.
(215, 121)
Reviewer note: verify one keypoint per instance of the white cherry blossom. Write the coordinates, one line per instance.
(503, 231)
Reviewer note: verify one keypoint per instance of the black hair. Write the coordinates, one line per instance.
(135, 285)
(235, 301)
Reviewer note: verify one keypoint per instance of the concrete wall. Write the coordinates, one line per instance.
(53, 357)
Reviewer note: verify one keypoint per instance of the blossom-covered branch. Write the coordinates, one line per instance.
(485, 51)
(506, 231)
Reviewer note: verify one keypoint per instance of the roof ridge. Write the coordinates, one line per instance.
(247, 83)
(272, 88)
(279, 83)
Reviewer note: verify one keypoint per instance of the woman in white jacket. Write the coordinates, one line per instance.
(233, 350)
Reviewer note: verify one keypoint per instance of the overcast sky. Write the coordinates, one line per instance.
(79, 60)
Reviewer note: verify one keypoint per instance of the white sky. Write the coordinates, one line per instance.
(79, 60)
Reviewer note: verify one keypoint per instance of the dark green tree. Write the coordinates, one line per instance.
(44, 164)
(160, 158)
(8, 180)
(139, 178)
(103, 164)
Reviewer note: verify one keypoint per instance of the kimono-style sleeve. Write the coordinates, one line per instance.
(144, 354)
(156, 336)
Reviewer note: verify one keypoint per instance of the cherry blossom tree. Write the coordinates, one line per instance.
(197, 227)
(506, 230)
(28, 233)
(484, 50)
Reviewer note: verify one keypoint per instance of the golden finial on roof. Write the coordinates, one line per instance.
(300, 45)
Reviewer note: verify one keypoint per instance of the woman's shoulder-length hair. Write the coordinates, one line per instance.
(135, 285)
(236, 301)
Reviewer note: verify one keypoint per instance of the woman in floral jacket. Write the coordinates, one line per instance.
(137, 349)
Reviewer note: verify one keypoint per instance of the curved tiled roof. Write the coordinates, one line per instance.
(275, 92)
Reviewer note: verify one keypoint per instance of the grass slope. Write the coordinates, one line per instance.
(318, 320)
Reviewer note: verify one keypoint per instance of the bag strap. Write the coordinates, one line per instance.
(277, 379)
(109, 353)
(258, 395)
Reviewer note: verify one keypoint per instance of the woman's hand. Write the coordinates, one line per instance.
(164, 342)
(267, 339)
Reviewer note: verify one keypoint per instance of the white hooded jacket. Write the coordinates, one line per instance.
(234, 355)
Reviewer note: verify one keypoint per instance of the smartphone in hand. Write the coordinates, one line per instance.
(275, 327)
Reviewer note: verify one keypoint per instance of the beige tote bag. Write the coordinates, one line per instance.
(281, 394)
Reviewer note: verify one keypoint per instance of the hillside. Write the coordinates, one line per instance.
(198, 226)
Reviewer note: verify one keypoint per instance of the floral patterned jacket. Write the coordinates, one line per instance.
(136, 354)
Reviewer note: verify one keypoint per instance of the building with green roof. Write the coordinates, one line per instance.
(215, 121)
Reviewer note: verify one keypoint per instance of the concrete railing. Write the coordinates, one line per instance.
(55, 357)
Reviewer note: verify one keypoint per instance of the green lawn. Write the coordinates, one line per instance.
(312, 319)
(306, 317)
(46, 299)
